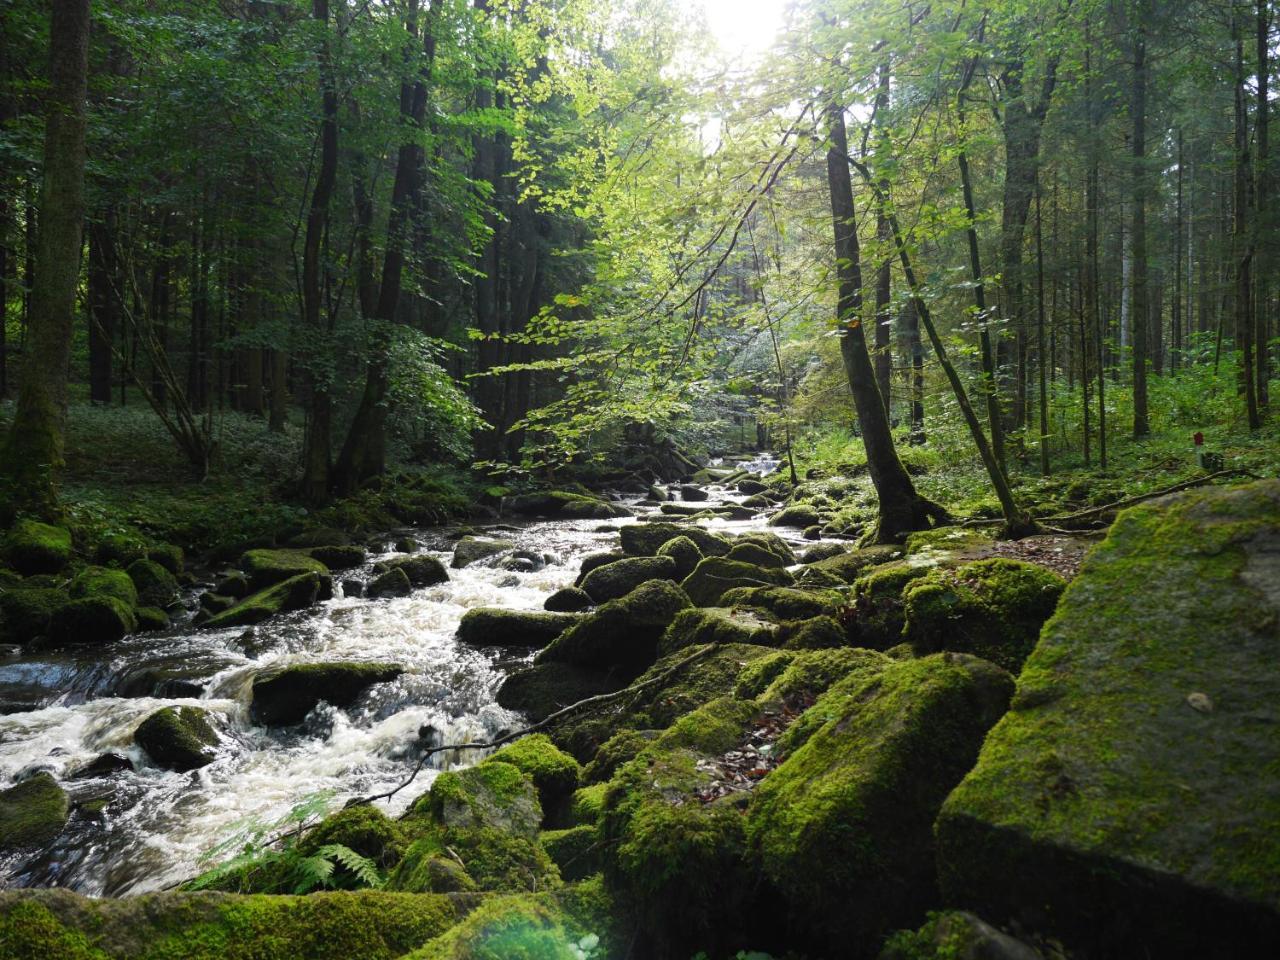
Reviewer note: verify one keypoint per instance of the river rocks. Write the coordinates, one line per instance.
(471, 550)
(558, 503)
(848, 567)
(168, 556)
(714, 625)
(621, 635)
(499, 627)
(992, 608)
(821, 551)
(568, 600)
(92, 620)
(878, 618)
(266, 568)
(338, 556)
(715, 576)
(232, 584)
(593, 561)
(104, 582)
(784, 603)
(843, 826)
(103, 765)
(296, 593)
(684, 552)
(156, 586)
(25, 612)
(644, 540)
(423, 570)
(392, 583)
(799, 515)
(554, 773)
(1128, 803)
(617, 579)
(32, 813)
(320, 537)
(285, 695)
(119, 550)
(956, 935)
(658, 494)
(690, 492)
(178, 738)
(31, 548)
(755, 554)
(751, 486)
(544, 688)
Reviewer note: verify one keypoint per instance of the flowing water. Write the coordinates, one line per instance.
(158, 826)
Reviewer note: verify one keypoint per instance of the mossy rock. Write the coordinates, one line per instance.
(265, 568)
(338, 557)
(755, 554)
(471, 550)
(784, 603)
(423, 570)
(848, 567)
(119, 550)
(808, 674)
(992, 608)
(371, 925)
(168, 555)
(92, 620)
(1128, 802)
(523, 927)
(428, 868)
(588, 801)
(646, 539)
(285, 695)
(613, 581)
(31, 547)
(816, 633)
(296, 593)
(593, 561)
(365, 829)
(32, 813)
(104, 582)
(843, 826)
(26, 612)
(621, 635)
(178, 738)
(878, 618)
(717, 625)
(771, 543)
(956, 935)
(393, 583)
(544, 688)
(568, 600)
(320, 537)
(499, 627)
(492, 795)
(798, 515)
(156, 586)
(715, 576)
(622, 747)
(684, 553)
(554, 773)
(461, 859)
(233, 584)
(575, 851)
(949, 539)
(151, 619)
(822, 551)
(559, 503)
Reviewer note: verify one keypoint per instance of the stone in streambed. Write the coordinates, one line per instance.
(25, 612)
(715, 576)
(471, 550)
(701, 625)
(265, 568)
(156, 586)
(93, 620)
(285, 695)
(798, 515)
(32, 548)
(338, 556)
(178, 738)
(1129, 803)
(568, 600)
(392, 583)
(32, 813)
(558, 503)
(684, 552)
(499, 627)
(614, 580)
(296, 593)
(644, 540)
(691, 492)
(544, 688)
(423, 570)
(593, 560)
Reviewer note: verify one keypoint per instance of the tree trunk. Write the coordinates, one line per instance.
(1266, 216)
(104, 305)
(884, 274)
(1175, 319)
(1242, 243)
(33, 454)
(1138, 315)
(902, 510)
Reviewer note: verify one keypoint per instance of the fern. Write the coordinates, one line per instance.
(364, 870)
(319, 870)
(312, 872)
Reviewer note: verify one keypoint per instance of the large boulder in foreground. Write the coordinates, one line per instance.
(1129, 803)
(499, 627)
(31, 547)
(296, 593)
(178, 738)
(286, 695)
(32, 813)
(622, 635)
(646, 539)
(715, 576)
(844, 826)
(614, 580)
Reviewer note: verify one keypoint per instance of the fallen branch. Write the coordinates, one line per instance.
(547, 721)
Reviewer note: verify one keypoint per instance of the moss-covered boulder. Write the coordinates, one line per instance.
(798, 515)
(1129, 802)
(32, 814)
(684, 553)
(877, 619)
(31, 547)
(558, 503)
(296, 593)
(784, 603)
(715, 625)
(26, 612)
(715, 576)
(104, 582)
(822, 551)
(948, 539)
(265, 568)
(168, 555)
(816, 633)
(471, 550)
(575, 851)
(568, 600)
(178, 738)
(94, 619)
(526, 927)
(646, 539)
(848, 567)
(423, 570)
(615, 580)
(151, 619)
(119, 550)
(956, 935)
(392, 583)
(365, 829)
(499, 627)
(593, 561)
(843, 826)
(804, 675)
(369, 924)
(621, 635)
(544, 688)
(156, 586)
(554, 773)
(338, 556)
(493, 794)
(285, 695)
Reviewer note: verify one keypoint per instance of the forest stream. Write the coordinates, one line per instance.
(160, 826)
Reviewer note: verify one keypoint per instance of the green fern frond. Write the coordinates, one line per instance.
(362, 868)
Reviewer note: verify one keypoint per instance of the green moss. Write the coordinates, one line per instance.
(514, 928)
(545, 688)
(338, 556)
(757, 675)
(287, 694)
(31, 547)
(500, 627)
(492, 794)
(877, 619)
(266, 568)
(715, 576)
(151, 619)
(843, 826)
(588, 801)
(423, 570)
(179, 738)
(715, 625)
(96, 619)
(809, 673)
(119, 550)
(29, 931)
(168, 556)
(848, 567)
(683, 552)
(771, 543)
(798, 515)
(25, 612)
(646, 539)
(992, 608)
(499, 860)
(156, 586)
(296, 593)
(817, 633)
(554, 773)
(32, 813)
(104, 582)
(428, 868)
(784, 603)
(949, 539)
(575, 851)
(365, 829)
(1104, 776)
(615, 580)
